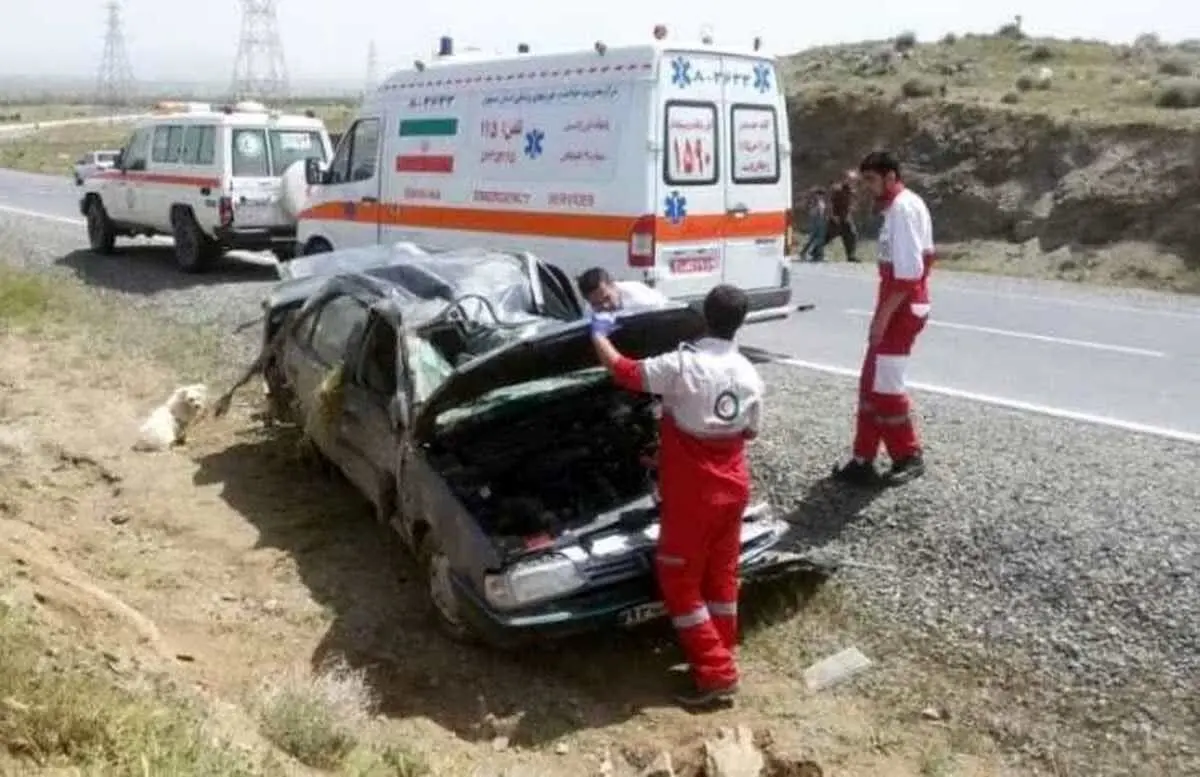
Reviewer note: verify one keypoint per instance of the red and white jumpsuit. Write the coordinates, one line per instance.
(906, 256)
(711, 398)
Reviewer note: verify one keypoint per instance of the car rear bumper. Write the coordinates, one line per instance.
(621, 605)
(256, 238)
(765, 304)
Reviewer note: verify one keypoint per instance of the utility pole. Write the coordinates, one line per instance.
(114, 84)
(372, 70)
(260, 71)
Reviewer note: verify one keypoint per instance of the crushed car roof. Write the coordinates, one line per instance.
(422, 283)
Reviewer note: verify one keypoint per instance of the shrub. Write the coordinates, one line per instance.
(316, 719)
(1010, 98)
(1179, 93)
(949, 39)
(1040, 53)
(905, 40)
(1148, 40)
(1024, 83)
(1011, 30)
(918, 87)
(1175, 66)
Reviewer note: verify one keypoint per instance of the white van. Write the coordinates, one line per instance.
(212, 178)
(663, 163)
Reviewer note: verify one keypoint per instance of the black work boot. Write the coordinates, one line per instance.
(697, 698)
(857, 473)
(906, 469)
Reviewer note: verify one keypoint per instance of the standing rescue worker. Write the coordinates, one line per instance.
(605, 295)
(906, 255)
(841, 215)
(711, 400)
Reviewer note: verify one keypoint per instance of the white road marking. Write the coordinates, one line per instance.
(1031, 336)
(1112, 307)
(1168, 433)
(33, 214)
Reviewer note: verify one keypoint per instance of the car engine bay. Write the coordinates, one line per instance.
(544, 465)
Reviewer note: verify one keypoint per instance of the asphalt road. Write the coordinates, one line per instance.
(1118, 358)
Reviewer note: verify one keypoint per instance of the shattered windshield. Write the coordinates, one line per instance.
(521, 392)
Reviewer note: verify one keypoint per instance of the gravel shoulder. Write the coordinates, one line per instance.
(1040, 583)
(1057, 560)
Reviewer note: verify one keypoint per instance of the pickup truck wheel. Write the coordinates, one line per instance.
(102, 235)
(439, 589)
(195, 251)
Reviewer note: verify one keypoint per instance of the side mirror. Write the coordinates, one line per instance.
(314, 173)
(398, 412)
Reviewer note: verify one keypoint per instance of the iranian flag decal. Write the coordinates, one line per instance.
(430, 146)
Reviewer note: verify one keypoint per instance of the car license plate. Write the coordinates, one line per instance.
(641, 613)
(693, 264)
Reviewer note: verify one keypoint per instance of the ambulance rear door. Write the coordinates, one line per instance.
(757, 184)
(691, 189)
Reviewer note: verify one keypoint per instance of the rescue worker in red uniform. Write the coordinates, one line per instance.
(711, 401)
(906, 255)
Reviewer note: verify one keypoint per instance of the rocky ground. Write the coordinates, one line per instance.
(1030, 605)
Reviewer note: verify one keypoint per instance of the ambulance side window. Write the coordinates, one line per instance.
(355, 159)
(690, 155)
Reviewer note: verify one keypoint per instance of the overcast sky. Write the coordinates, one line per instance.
(170, 39)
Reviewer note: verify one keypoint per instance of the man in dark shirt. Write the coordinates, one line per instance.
(841, 215)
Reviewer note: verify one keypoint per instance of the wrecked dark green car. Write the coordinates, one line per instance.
(460, 393)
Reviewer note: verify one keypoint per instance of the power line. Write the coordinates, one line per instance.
(114, 84)
(260, 71)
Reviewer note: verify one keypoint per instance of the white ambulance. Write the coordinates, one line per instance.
(211, 177)
(665, 163)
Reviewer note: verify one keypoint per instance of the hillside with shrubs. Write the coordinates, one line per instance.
(1070, 143)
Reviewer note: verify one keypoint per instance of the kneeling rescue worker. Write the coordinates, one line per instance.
(711, 401)
(906, 256)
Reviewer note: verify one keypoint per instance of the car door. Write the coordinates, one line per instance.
(327, 331)
(351, 189)
(369, 431)
(691, 192)
(757, 196)
(119, 190)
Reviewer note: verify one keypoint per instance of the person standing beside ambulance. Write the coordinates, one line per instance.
(711, 401)
(902, 305)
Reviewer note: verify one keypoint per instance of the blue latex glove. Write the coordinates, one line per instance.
(603, 324)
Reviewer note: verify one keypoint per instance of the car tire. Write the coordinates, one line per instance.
(195, 251)
(317, 245)
(102, 235)
(439, 592)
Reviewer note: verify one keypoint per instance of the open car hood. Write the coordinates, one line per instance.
(561, 350)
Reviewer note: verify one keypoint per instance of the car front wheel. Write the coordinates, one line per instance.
(102, 235)
(439, 590)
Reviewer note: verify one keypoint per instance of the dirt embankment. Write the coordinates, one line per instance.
(996, 174)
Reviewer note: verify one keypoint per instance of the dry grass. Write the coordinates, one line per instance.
(59, 709)
(65, 706)
(22, 112)
(53, 150)
(316, 719)
(1090, 80)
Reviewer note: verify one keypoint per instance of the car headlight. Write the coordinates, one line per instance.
(529, 582)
